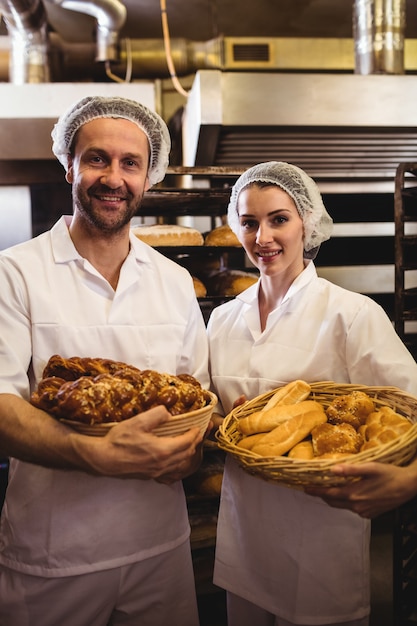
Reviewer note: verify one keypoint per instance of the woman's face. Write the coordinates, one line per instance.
(271, 230)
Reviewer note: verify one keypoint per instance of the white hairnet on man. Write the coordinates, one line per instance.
(300, 187)
(94, 107)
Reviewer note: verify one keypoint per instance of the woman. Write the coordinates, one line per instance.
(283, 556)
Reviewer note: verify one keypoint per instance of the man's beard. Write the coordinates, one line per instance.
(84, 203)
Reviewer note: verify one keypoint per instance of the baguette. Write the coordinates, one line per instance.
(296, 391)
(303, 450)
(251, 440)
(265, 421)
(285, 436)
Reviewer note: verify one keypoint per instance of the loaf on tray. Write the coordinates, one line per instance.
(222, 236)
(168, 235)
(230, 282)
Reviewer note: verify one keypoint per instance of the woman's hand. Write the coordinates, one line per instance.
(382, 487)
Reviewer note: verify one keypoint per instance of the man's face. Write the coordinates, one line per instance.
(109, 172)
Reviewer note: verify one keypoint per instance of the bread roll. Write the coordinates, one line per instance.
(303, 450)
(210, 485)
(265, 421)
(383, 426)
(251, 440)
(207, 480)
(335, 438)
(293, 392)
(285, 436)
(222, 236)
(168, 235)
(230, 282)
(352, 408)
(199, 288)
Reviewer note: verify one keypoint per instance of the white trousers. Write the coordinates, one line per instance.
(155, 592)
(240, 612)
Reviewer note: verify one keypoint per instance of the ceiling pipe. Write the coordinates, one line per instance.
(378, 29)
(26, 22)
(110, 16)
(75, 62)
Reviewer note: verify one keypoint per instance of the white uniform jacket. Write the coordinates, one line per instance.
(59, 523)
(277, 547)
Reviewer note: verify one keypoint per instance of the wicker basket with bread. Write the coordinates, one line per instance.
(295, 434)
(93, 394)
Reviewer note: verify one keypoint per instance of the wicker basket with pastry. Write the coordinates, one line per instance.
(93, 394)
(295, 433)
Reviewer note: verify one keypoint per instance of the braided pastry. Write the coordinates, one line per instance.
(95, 391)
(74, 367)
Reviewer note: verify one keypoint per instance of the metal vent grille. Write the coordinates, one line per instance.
(347, 152)
(251, 52)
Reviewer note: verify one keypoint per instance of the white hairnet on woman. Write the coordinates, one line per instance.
(303, 190)
(94, 107)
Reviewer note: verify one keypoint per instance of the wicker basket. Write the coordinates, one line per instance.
(299, 473)
(176, 425)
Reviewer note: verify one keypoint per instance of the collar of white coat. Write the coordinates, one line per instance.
(64, 250)
(250, 295)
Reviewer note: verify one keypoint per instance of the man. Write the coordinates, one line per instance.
(95, 531)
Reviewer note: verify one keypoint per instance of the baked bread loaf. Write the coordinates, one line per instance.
(303, 451)
(230, 282)
(335, 438)
(207, 480)
(74, 367)
(295, 391)
(281, 406)
(306, 416)
(222, 236)
(199, 288)
(96, 391)
(352, 408)
(383, 426)
(168, 235)
(249, 441)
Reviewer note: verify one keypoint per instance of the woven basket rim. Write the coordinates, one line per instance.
(318, 471)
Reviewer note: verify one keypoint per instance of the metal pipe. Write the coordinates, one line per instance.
(110, 16)
(378, 31)
(26, 22)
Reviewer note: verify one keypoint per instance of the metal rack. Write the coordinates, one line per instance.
(405, 565)
(405, 203)
(405, 519)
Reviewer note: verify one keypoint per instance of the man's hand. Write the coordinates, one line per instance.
(131, 450)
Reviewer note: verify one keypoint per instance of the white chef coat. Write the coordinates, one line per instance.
(62, 523)
(277, 547)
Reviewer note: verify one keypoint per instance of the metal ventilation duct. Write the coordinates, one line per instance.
(379, 27)
(26, 22)
(110, 16)
(335, 126)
